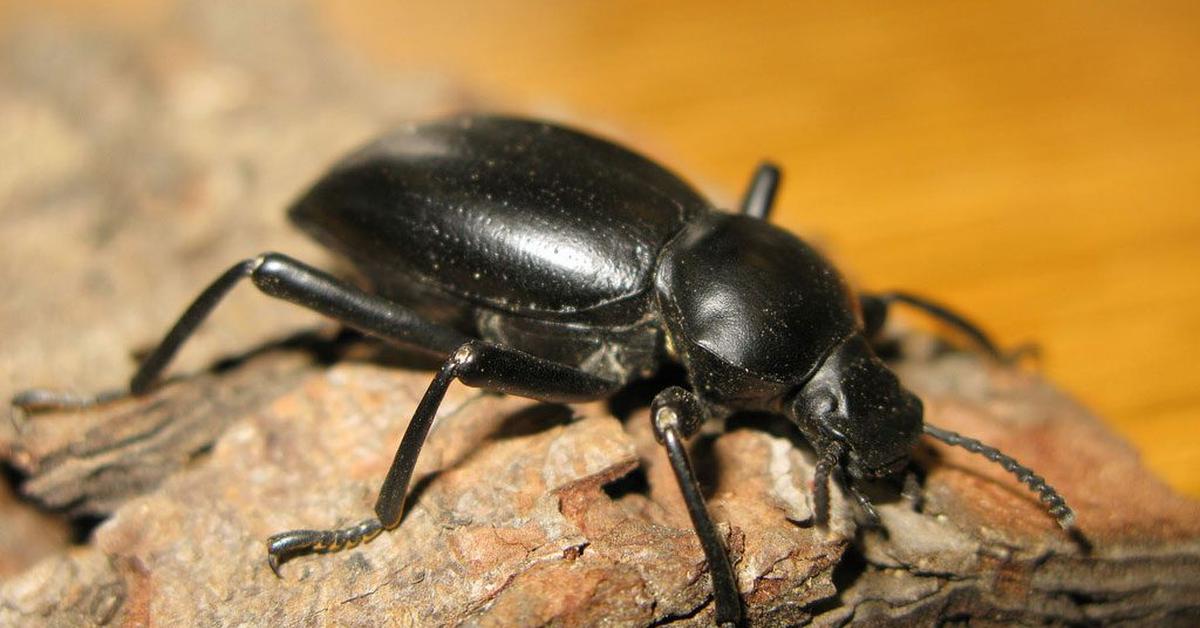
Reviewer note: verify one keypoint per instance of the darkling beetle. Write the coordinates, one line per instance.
(551, 264)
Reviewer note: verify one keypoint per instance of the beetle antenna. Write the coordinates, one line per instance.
(1054, 502)
(827, 461)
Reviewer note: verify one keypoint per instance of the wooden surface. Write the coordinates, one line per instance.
(1038, 167)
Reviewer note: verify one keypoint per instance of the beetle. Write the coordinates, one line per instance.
(544, 262)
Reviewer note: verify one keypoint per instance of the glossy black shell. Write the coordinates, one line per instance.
(514, 215)
(575, 249)
(752, 309)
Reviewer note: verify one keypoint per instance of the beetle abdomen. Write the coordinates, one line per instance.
(517, 216)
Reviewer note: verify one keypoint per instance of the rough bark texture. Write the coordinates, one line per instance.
(527, 513)
(522, 513)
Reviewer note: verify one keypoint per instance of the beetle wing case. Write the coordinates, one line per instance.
(518, 216)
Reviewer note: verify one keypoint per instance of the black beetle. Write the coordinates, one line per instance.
(551, 264)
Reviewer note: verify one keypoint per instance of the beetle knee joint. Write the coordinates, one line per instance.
(466, 355)
(664, 418)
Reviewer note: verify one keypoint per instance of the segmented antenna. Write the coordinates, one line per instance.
(826, 463)
(1054, 502)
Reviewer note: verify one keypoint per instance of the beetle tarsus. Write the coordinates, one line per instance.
(284, 546)
(38, 400)
(35, 401)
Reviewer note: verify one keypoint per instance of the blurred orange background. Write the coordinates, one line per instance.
(1036, 165)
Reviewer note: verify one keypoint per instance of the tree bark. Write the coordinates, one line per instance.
(526, 513)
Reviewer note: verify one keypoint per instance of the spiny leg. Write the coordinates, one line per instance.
(478, 364)
(760, 195)
(875, 310)
(677, 414)
(1055, 504)
(281, 277)
(474, 362)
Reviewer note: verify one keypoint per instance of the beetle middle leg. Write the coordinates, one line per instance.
(876, 306)
(676, 414)
(760, 195)
(478, 364)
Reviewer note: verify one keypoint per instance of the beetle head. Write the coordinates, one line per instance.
(855, 400)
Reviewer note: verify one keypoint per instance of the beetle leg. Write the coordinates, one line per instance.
(677, 414)
(284, 278)
(875, 310)
(760, 195)
(475, 363)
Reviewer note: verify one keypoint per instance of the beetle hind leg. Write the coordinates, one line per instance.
(760, 195)
(43, 400)
(278, 276)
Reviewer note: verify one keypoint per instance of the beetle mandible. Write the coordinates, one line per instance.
(548, 263)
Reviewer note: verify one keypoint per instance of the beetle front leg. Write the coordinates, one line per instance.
(676, 414)
(477, 364)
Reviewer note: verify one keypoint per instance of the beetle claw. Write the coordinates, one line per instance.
(273, 561)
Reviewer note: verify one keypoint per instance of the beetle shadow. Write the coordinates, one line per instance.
(528, 421)
(878, 491)
(640, 393)
(535, 419)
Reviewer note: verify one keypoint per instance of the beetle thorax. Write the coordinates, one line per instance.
(751, 310)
